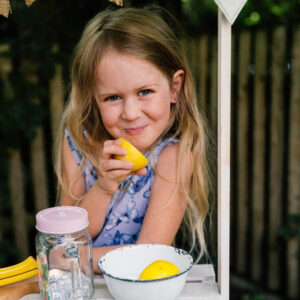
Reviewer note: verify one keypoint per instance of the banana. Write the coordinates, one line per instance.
(19, 277)
(27, 265)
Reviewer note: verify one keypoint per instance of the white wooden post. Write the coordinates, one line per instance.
(224, 74)
(228, 12)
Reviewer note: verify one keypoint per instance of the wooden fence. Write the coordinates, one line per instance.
(265, 172)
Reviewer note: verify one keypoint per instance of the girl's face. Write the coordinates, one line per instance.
(134, 98)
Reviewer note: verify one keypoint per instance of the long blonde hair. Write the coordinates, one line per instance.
(145, 34)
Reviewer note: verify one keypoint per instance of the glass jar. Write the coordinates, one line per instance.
(64, 253)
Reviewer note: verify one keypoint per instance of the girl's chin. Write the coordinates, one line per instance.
(139, 142)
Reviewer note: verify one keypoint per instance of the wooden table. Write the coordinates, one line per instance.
(200, 284)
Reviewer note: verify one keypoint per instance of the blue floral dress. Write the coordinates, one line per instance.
(127, 208)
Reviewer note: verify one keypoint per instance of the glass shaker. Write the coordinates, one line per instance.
(64, 253)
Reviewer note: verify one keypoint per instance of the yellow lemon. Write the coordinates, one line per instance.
(159, 269)
(132, 155)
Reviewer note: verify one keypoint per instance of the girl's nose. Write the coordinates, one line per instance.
(131, 109)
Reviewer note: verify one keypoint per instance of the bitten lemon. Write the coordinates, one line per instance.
(159, 269)
(132, 155)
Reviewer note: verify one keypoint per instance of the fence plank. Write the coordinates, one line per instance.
(187, 49)
(259, 146)
(276, 154)
(202, 82)
(194, 54)
(57, 91)
(294, 169)
(214, 86)
(39, 173)
(17, 196)
(233, 185)
(38, 165)
(5, 68)
(242, 144)
(233, 60)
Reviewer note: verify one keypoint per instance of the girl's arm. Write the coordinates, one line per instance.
(166, 205)
(110, 173)
(96, 201)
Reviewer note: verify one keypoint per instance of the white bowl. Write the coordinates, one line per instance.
(121, 268)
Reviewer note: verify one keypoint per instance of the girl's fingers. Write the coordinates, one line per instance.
(118, 175)
(111, 148)
(140, 172)
(109, 165)
(113, 169)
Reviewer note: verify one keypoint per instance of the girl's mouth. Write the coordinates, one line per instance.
(135, 130)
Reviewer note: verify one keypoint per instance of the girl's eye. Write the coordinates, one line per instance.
(145, 92)
(112, 98)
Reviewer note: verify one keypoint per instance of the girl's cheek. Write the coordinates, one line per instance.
(157, 111)
(109, 122)
(109, 116)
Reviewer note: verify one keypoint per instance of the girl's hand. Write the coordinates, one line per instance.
(140, 172)
(112, 171)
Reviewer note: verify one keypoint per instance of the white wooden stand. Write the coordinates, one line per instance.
(200, 282)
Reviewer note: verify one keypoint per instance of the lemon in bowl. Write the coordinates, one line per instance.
(132, 155)
(159, 269)
(123, 267)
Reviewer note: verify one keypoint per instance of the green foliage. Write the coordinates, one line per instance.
(201, 16)
(270, 12)
(37, 38)
(20, 113)
(252, 297)
(8, 253)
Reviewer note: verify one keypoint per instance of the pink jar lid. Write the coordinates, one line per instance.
(62, 219)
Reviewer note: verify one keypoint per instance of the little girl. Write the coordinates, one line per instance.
(130, 79)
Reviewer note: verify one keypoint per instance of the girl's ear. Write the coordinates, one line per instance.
(178, 78)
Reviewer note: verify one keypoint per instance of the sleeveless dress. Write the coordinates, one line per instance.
(127, 208)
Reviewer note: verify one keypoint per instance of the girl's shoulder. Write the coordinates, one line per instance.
(168, 161)
(169, 152)
(75, 151)
(162, 146)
